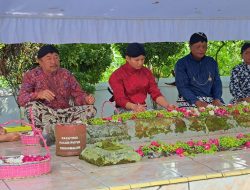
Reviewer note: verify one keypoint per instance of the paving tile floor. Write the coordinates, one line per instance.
(73, 173)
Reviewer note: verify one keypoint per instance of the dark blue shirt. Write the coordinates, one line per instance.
(198, 78)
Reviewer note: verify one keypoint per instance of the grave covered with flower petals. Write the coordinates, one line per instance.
(172, 124)
(167, 132)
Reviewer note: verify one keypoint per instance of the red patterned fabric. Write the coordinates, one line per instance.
(133, 85)
(61, 82)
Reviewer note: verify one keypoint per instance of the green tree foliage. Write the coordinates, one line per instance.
(117, 61)
(86, 61)
(15, 59)
(226, 53)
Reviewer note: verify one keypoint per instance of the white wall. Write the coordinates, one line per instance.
(9, 109)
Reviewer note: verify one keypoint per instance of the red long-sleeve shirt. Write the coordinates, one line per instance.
(61, 82)
(133, 85)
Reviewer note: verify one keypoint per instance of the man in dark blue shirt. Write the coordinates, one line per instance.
(197, 76)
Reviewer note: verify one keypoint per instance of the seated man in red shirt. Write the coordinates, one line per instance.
(48, 90)
(132, 82)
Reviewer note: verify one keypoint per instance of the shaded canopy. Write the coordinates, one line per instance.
(113, 21)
